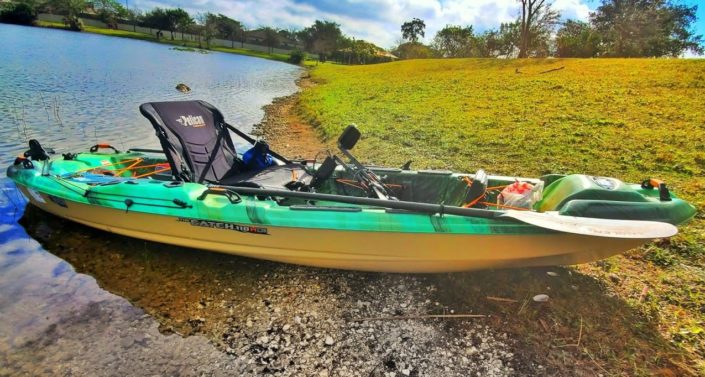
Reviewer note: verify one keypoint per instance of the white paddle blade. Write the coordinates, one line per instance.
(595, 227)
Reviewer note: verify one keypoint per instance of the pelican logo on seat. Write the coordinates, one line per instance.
(194, 121)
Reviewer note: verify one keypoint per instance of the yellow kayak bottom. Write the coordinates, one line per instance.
(351, 250)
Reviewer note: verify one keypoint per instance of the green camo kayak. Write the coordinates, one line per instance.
(96, 189)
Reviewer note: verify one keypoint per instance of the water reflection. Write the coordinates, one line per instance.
(56, 321)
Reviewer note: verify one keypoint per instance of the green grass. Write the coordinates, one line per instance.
(626, 118)
(166, 40)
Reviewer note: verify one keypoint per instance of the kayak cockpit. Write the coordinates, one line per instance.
(569, 195)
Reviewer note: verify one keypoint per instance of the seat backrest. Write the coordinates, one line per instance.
(195, 139)
(478, 188)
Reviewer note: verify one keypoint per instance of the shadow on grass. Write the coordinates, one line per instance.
(581, 330)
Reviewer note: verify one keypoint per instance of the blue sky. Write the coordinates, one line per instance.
(379, 21)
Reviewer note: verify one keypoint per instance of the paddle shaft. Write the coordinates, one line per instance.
(567, 224)
(393, 204)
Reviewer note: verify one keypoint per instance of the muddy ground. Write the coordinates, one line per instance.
(286, 131)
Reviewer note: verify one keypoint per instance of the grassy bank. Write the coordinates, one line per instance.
(166, 40)
(637, 314)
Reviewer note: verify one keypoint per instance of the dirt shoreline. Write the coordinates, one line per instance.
(286, 131)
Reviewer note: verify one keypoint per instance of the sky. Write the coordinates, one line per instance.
(379, 21)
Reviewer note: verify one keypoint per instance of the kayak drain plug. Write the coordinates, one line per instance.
(128, 204)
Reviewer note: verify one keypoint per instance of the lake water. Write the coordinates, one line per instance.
(70, 90)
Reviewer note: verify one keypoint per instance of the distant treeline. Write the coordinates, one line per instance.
(617, 28)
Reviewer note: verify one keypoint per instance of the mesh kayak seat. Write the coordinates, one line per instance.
(198, 146)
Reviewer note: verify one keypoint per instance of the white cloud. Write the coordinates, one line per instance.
(378, 21)
(573, 9)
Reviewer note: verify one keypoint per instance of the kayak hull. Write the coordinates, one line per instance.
(383, 251)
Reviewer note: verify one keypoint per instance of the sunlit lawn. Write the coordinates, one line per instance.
(627, 118)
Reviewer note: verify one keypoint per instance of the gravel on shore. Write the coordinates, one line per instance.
(314, 322)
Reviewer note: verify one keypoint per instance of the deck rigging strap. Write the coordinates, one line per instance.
(178, 203)
(134, 164)
(87, 192)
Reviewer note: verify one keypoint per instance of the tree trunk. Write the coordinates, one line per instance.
(522, 29)
(172, 34)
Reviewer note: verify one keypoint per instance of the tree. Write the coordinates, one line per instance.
(536, 23)
(243, 35)
(207, 29)
(197, 30)
(297, 57)
(652, 28)
(411, 30)
(577, 39)
(292, 34)
(271, 38)
(71, 9)
(22, 13)
(109, 11)
(321, 38)
(135, 16)
(358, 51)
(500, 43)
(454, 41)
(413, 50)
(157, 19)
(183, 22)
(228, 28)
(174, 19)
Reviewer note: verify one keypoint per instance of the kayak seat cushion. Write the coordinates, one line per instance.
(195, 140)
(277, 177)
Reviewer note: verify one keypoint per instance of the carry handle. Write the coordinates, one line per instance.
(233, 196)
(103, 146)
(663, 193)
